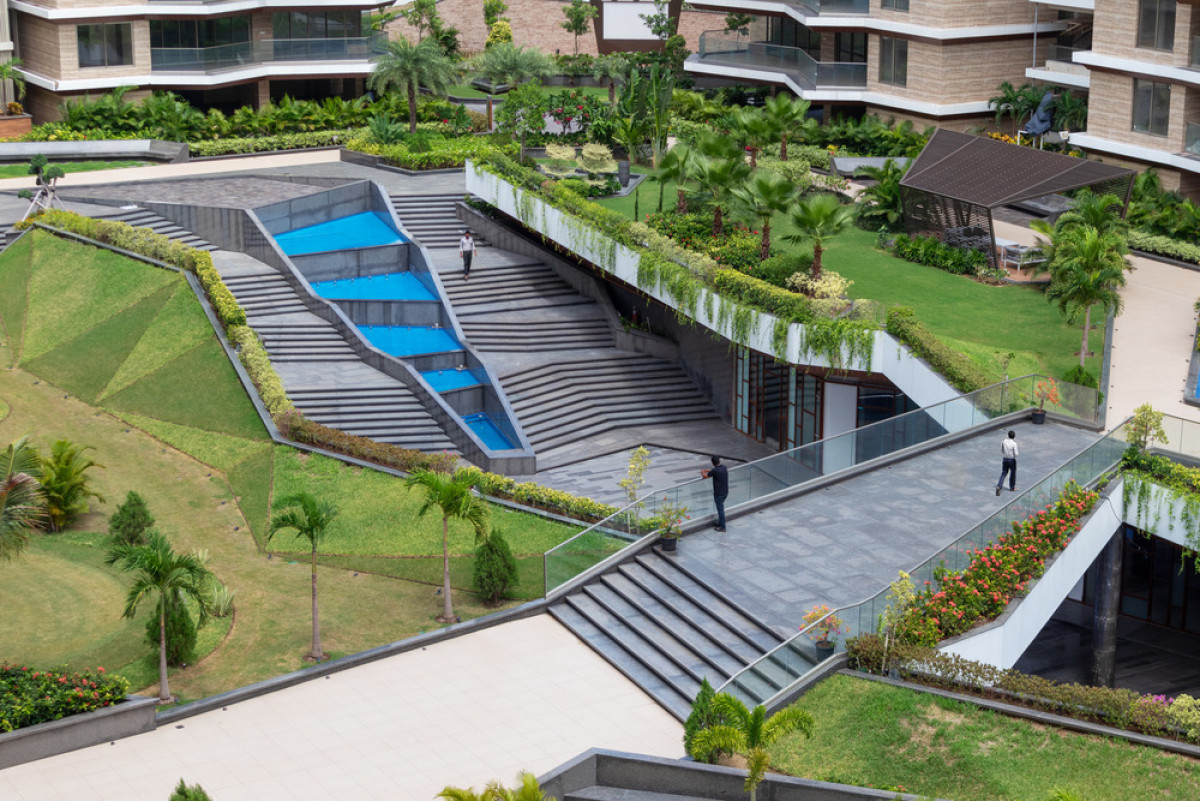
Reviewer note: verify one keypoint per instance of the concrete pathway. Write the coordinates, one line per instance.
(525, 695)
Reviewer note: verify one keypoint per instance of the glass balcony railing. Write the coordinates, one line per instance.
(1191, 139)
(834, 7)
(204, 59)
(797, 656)
(792, 468)
(1064, 53)
(733, 49)
(1194, 61)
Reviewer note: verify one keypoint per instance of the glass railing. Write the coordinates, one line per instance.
(1064, 53)
(1194, 61)
(729, 47)
(188, 59)
(849, 74)
(753, 481)
(798, 654)
(836, 6)
(1191, 138)
(1183, 438)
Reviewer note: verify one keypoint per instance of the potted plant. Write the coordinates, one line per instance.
(1044, 391)
(670, 518)
(823, 629)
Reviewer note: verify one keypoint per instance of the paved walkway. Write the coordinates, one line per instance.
(526, 695)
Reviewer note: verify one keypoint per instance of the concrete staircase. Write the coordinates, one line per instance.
(566, 401)
(264, 294)
(385, 413)
(298, 342)
(667, 630)
(431, 219)
(142, 218)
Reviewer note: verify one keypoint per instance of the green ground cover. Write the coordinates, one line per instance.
(874, 735)
(975, 318)
(21, 170)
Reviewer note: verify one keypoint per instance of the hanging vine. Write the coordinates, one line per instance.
(779, 339)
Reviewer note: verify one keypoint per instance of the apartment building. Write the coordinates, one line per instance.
(222, 53)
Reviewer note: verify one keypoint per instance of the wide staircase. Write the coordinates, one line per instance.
(666, 630)
(566, 401)
(144, 218)
(385, 413)
(431, 219)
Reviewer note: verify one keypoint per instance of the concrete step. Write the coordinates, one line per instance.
(605, 793)
(144, 218)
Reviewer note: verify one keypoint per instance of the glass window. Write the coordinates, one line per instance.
(894, 5)
(850, 46)
(1151, 107)
(105, 45)
(893, 61)
(316, 24)
(1156, 24)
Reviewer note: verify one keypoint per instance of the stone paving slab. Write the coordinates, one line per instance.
(225, 192)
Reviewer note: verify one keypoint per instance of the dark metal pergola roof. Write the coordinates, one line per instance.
(987, 172)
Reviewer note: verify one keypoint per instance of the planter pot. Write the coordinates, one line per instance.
(1039, 416)
(825, 650)
(668, 544)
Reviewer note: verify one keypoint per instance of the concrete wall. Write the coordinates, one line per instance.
(134, 716)
(332, 204)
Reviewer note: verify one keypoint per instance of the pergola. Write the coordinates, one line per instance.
(958, 179)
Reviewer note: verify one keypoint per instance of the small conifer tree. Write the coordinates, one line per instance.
(131, 520)
(495, 568)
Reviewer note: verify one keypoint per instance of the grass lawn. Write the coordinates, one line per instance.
(873, 735)
(975, 318)
(21, 170)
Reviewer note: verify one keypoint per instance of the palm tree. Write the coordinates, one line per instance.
(506, 63)
(454, 495)
(756, 129)
(749, 733)
(762, 197)
(613, 68)
(159, 570)
(1070, 112)
(1102, 212)
(882, 203)
(1088, 267)
(8, 72)
(819, 218)
(674, 167)
(528, 789)
(408, 67)
(1016, 103)
(309, 518)
(786, 114)
(22, 507)
(717, 178)
(65, 483)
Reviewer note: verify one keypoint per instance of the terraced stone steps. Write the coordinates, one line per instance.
(265, 294)
(143, 218)
(385, 413)
(304, 343)
(492, 288)
(431, 219)
(533, 336)
(666, 630)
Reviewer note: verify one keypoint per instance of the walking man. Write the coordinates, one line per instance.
(719, 474)
(466, 249)
(1008, 462)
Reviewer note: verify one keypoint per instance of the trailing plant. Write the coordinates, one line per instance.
(962, 373)
(29, 696)
(1152, 483)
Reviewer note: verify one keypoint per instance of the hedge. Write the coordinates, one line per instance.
(295, 426)
(260, 144)
(1164, 246)
(957, 368)
(258, 364)
(442, 153)
(533, 494)
(29, 696)
(1125, 709)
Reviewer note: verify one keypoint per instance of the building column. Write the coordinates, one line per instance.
(1107, 607)
(263, 89)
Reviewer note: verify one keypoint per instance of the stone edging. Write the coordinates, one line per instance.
(132, 716)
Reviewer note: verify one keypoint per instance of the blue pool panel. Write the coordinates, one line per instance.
(346, 233)
(393, 286)
(413, 340)
(488, 432)
(445, 380)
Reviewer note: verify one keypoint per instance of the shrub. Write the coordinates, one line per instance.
(932, 252)
(1164, 246)
(1081, 376)
(499, 33)
(220, 602)
(442, 153)
(299, 428)
(957, 368)
(29, 696)
(66, 486)
(181, 633)
(188, 792)
(782, 266)
(130, 521)
(258, 365)
(702, 717)
(262, 144)
(495, 569)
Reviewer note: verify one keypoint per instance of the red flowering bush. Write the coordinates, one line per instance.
(29, 696)
(958, 601)
(575, 110)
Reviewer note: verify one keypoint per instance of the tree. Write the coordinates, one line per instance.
(579, 15)
(527, 789)
(1088, 267)
(65, 483)
(882, 203)
(785, 114)
(9, 72)
(1102, 212)
(717, 178)
(523, 112)
(188, 792)
(421, 14)
(407, 67)
(493, 12)
(613, 68)
(700, 718)
(819, 218)
(674, 167)
(737, 22)
(1016, 103)
(749, 733)
(495, 569)
(309, 517)
(659, 88)
(505, 63)
(22, 507)
(160, 571)
(501, 32)
(756, 129)
(761, 198)
(181, 632)
(1070, 112)
(455, 497)
(131, 520)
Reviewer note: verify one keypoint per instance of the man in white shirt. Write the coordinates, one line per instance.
(466, 249)
(1008, 462)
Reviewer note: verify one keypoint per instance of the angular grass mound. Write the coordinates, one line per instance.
(15, 266)
(216, 450)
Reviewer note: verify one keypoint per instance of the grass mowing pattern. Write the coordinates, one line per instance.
(75, 287)
(179, 326)
(84, 365)
(251, 482)
(870, 734)
(15, 268)
(216, 450)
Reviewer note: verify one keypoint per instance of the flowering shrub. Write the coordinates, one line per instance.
(575, 110)
(996, 574)
(828, 627)
(1046, 392)
(29, 696)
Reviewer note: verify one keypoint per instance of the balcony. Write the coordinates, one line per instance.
(836, 7)
(734, 50)
(1191, 140)
(1061, 69)
(242, 54)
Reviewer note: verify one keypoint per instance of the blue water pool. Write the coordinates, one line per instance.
(413, 340)
(445, 380)
(393, 286)
(488, 432)
(346, 233)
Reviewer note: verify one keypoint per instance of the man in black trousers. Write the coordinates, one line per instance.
(1008, 462)
(719, 474)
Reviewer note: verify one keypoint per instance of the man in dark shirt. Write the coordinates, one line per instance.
(720, 479)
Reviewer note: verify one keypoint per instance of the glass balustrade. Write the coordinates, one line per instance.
(1191, 138)
(734, 49)
(201, 59)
